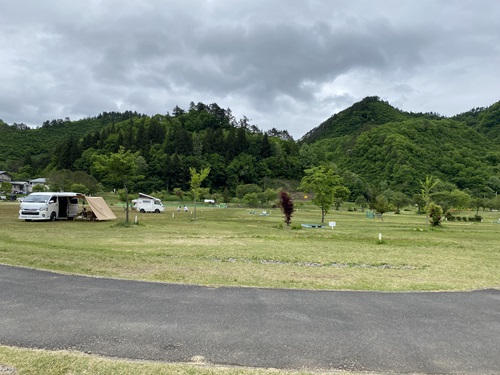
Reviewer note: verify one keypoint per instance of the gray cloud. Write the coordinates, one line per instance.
(286, 64)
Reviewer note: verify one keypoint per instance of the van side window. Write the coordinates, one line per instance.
(53, 199)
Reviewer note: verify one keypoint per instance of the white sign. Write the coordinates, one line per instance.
(332, 224)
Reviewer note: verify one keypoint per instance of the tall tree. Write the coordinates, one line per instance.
(426, 188)
(323, 182)
(119, 167)
(286, 205)
(196, 180)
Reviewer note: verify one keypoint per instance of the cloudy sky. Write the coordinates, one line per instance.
(288, 64)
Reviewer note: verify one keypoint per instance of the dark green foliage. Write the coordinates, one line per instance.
(448, 215)
(16, 141)
(402, 153)
(359, 117)
(375, 148)
(435, 213)
(483, 120)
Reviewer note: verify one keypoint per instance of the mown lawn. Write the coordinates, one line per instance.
(235, 247)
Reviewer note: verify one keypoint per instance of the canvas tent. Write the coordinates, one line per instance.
(100, 209)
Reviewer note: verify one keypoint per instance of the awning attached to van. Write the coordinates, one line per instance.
(100, 208)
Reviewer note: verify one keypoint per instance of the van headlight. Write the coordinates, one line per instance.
(42, 209)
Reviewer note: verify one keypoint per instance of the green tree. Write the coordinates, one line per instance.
(120, 167)
(323, 182)
(37, 188)
(400, 200)
(252, 199)
(426, 188)
(361, 202)
(494, 203)
(382, 205)
(195, 183)
(60, 180)
(477, 203)
(5, 187)
(79, 188)
(341, 195)
(268, 195)
(419, 202)
(244, 189)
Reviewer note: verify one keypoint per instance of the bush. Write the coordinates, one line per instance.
(477, 218)
(435, 213)
(449, 216)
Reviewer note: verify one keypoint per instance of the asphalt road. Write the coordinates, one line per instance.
(431, 333)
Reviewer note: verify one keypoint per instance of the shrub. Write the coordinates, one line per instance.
(449, 216)
(435, 213)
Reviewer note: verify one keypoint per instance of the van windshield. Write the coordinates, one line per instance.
(36, 198)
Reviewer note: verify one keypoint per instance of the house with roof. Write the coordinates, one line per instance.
(5, 177)
(21, 187)
(36, 182)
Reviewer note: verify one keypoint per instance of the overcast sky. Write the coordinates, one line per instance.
(288, 64)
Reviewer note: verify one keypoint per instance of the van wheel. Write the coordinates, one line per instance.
(53, 216)
(142, 210)
(157, 211)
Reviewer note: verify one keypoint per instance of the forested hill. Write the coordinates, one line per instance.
(378, 143)
(371, 144)
(18, 141)
(361, 116)
(483, 120)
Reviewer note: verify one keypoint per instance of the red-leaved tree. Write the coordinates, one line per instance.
(286, 204)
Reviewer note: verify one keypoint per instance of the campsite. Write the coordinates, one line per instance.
(231, 246)
(237, 246)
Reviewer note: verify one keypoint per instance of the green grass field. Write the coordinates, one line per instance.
(233, 247)
(236, 248)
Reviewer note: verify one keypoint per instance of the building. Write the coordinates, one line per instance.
(21, 187)
(37, 181)
(5, 177)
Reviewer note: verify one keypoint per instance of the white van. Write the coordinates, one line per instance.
(147, 203)
(49, 206)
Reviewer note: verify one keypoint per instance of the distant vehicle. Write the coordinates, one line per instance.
(147, 203)
(49, 206)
